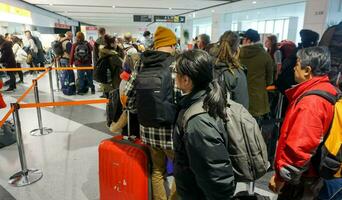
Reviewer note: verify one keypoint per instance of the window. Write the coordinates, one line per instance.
(261, 26)
(269, 26)
(234, 27)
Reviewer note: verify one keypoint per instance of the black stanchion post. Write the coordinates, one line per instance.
(40, 130)
(25, 176)
(57, 74)
(51, 85)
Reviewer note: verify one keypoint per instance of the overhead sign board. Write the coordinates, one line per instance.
(142, 18)
(62, 26)
(169, 19)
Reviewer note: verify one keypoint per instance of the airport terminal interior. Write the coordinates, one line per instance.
(58, 129)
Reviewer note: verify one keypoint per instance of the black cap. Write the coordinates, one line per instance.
(309, 37)
(253, 35)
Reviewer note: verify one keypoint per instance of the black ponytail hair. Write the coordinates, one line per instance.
(197, 65)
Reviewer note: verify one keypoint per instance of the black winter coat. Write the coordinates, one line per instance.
(7, 55)
(286, 78)
(202, 168)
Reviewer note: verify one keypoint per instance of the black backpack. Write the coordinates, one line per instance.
(7, 134)
(102, 71)
(155, 95)
(57, 48)
(82, 51)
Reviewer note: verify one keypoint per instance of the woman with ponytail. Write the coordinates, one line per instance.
(228, 70)
(202, 167)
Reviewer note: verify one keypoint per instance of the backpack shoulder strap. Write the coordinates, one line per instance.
(326, 95)
(194, 110)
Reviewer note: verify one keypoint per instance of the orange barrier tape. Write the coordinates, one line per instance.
(6, 116)
(67, 103)
(42, 75)
(72, 68)
(26, 93)
(22, 69)
(271, 88)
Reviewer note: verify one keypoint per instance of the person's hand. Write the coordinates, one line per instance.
(275, 185)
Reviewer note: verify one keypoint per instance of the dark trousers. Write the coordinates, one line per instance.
(12, 84)
(85, 79)
(20, 73)
(305, 190)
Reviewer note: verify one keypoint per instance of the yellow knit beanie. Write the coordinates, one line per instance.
(164, 37)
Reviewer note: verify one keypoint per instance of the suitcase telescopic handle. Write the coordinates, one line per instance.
(129, 137)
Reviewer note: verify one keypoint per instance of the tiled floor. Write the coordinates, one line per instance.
(68, 157)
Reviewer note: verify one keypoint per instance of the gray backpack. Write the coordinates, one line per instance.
(246, 146)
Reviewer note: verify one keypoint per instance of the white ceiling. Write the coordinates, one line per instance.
(101, 12)
(120, 12)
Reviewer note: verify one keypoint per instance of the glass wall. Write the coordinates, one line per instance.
(201, 26)
(280, 21)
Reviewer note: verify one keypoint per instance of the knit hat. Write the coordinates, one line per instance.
(164, 37)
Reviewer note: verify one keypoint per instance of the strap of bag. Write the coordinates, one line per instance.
(326, 95)
(194, 110)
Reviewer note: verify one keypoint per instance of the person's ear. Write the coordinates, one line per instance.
(187, 81)
(307, 71)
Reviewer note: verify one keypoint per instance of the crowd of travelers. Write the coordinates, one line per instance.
(160, 84)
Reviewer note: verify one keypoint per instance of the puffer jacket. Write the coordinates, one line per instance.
(305, 124)
(235, 82)
(115, 64)
(260, 70)
(202, 168)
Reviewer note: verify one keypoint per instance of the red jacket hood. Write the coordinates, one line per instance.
(316, 83)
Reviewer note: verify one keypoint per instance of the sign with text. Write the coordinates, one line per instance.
(169, 19)
(62, 26)
(142, 18)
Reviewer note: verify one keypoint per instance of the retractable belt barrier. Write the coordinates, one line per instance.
(44, 68)
(28, 176)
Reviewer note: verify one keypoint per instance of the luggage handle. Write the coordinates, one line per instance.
(129, 137)
(251, 188)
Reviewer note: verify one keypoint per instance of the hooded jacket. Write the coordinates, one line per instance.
(260, 69)
(115, 64)
(202, 168)
(305, 124)
(235, 82)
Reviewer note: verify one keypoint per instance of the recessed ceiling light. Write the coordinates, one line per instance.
(113, 6)
(50, 4)
(212, 11)
(170, 8)
(254, 2)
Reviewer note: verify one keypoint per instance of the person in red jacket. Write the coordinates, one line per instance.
(306, 122)
(80, 55)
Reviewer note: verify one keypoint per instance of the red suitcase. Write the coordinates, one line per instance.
(124, 169)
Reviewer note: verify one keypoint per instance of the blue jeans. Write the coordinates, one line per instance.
(64, 62)
(85, 79)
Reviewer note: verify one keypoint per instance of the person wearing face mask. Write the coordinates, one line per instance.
(110, 52)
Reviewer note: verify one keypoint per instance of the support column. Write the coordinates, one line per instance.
(218, 26)
(319, 14)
